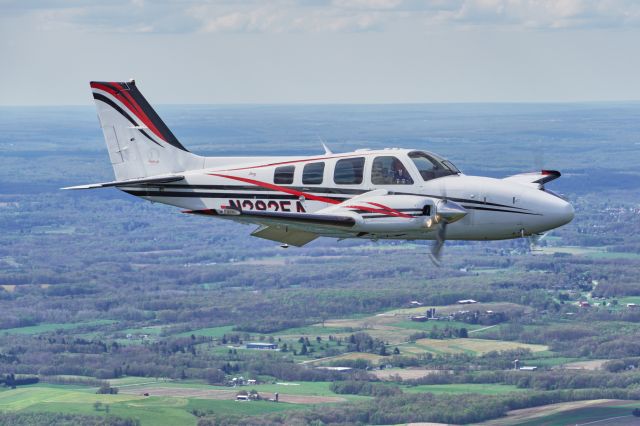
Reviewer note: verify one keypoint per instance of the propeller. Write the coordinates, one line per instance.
(447, 212)
(534, 240)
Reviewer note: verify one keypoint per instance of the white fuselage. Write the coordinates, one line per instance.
(497, 208)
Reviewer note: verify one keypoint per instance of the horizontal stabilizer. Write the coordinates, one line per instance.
(284, 235)
(145, 181)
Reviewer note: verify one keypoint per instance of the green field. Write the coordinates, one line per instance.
(629, 299)
(430, 325)
(292, 388)
(46, 328)
(312, 331)
(150, 411)
(483, 389)
(215, 332)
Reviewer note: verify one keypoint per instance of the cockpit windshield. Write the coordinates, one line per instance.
(431, 166)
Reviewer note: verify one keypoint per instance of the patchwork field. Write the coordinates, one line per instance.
(228, 394)
(483, 389)
(471, 346)
(45, 328)
(403, 373)
(160, 410)
(599, 412)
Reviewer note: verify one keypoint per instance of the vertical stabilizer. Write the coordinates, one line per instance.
(140, 144)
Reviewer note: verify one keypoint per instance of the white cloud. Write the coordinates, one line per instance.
(319, 15)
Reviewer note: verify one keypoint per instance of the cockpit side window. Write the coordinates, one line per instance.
(430, 167)
(389, 171)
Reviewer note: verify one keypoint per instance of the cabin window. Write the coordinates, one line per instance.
(284, 175)
(312, 174)
(349, 171)
(389, 171)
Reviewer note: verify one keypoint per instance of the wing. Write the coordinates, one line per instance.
(296, 229)
(536, 179)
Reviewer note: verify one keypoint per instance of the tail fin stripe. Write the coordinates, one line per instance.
(130, 103)
(113, 91)
(113, 105)
(129, 98)
(160, 127)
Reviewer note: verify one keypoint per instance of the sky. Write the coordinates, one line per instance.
(321, 51)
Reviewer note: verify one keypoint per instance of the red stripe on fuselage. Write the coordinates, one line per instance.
(387, 211)
(390, 210)
(279, 188)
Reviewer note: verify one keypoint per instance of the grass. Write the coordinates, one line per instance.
(430, 325)
(629, 299)
(483, 389)
(312, 331)
(135, 380)
(244, 408)
(215, 332)
(46, 328)
(24, 397)
(551, 361)
(151, 411)
(292, 388)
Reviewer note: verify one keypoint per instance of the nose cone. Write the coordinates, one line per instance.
(557, 212)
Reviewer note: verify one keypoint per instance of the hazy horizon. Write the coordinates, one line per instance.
(322, 51)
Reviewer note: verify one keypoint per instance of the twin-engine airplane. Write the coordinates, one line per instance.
(393, 193)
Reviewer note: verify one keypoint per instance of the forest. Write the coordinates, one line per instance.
(112, 298)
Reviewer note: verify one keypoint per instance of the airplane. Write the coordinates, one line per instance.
(382, 194)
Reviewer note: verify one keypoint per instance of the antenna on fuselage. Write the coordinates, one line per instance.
(327, 151)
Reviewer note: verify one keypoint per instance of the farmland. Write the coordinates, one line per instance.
(100, 290)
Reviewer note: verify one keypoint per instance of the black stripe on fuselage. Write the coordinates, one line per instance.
(499, 210)
(325, 190)
(231, 195)
(311, 190)
(113, 105)
(249, 196)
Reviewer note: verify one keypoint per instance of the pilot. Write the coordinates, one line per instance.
(399, 173)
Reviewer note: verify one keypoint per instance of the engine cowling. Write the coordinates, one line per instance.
(390, 213)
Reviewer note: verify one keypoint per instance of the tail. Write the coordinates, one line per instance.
(139, 143)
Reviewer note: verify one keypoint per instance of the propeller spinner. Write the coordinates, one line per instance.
(447, 212)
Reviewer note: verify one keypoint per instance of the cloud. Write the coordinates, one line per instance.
(278, 16)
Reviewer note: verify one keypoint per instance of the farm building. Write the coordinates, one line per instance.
(528, 368)
(338, 369)
(261, 345)
(466, 302)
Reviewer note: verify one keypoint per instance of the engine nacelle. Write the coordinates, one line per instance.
(390, 213)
